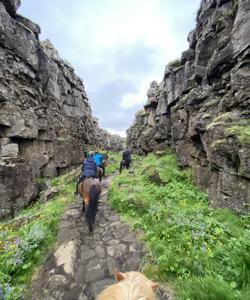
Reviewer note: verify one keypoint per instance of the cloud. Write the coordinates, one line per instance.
(136, 98)
(117, 47)
(105, 102)
(119, 132)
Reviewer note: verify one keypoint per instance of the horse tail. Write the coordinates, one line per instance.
(91, 208)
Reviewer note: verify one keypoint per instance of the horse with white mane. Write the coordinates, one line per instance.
(130, 286)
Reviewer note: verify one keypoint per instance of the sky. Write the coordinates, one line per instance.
(117, 47)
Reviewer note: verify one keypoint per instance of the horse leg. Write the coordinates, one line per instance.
(83, 206)
(88, 217)
(77, 185)
(100, 173)
(95, 210)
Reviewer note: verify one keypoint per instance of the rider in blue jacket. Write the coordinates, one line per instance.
(97, 158)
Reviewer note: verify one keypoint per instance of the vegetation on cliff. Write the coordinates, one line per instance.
(203, 252)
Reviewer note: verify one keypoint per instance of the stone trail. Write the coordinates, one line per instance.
(82, 264)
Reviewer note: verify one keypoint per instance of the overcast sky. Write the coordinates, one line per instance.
(117, 47)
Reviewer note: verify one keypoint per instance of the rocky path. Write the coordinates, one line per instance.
(82, 263)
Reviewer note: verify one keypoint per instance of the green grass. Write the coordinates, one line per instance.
(202, 252)
(26, 238)
(113, 162)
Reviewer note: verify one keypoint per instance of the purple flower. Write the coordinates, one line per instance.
(18, 261)
(18, 241)
(1, 294)
(8, 289)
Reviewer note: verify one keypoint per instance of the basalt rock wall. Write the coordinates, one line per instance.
(202, 106)
(45, 115)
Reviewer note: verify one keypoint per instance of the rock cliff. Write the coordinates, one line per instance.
(45, 115)
(202, 106)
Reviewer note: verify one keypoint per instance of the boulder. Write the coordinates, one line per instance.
(17, 186)
(229, 190)
(153, 176)
(9, 150)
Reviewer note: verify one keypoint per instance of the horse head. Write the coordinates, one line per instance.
(130, 285)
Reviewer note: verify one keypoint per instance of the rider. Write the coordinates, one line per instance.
(89, 169)
(126, 157)
(98, 158)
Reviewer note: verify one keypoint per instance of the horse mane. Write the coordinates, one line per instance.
(134, 286)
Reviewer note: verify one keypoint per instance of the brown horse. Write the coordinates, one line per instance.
(104, 163)
(100, 173)
(90, 190)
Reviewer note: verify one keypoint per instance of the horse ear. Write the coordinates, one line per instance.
(154, 285)
(119, 276)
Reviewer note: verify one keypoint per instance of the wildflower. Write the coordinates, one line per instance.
(18, 261)
(8, 289)
(204, 248)
(18, 241)
(1, 294)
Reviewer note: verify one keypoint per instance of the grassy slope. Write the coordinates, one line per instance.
(25, 239)
(203, 252)
(113, 163)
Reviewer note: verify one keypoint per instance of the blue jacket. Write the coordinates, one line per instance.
(98, 159)
(89, 168)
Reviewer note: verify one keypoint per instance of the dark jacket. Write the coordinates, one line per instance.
(126, 156)
(89, 168)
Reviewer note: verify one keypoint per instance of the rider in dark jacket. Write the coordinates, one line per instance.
(89, 169)
(126, 157)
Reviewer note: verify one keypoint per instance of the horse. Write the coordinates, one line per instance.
(131, 285)
(90, 190)
(124, 165)
(100, 173)
(104, 162)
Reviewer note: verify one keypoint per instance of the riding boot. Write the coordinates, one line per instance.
(76, 191)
